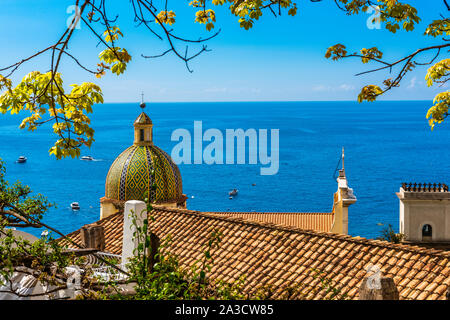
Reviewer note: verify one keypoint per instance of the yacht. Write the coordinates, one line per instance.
(22, 159)
(75, 206)
(87, 158)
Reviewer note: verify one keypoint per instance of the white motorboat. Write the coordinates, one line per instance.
(87, 158)
(21, 159)
(233, 193)
(75, 206)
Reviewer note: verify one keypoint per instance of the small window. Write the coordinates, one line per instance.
(427, 232)
(142, 134)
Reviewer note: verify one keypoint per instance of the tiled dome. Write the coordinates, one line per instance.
(130, 178)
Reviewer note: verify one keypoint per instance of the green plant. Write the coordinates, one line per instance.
(154, 272)
(388, 234)
(332, 291)
(17, 206)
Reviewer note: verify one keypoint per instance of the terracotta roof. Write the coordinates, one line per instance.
(281, 256)
(318, 221)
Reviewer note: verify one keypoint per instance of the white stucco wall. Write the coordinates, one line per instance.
(414, 214)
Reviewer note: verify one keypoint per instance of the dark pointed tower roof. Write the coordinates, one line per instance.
(143, 118)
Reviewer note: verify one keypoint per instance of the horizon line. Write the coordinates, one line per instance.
(256, 101)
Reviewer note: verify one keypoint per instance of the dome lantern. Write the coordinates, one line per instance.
(143, 128)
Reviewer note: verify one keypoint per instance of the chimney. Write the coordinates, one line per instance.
(137, 210)
(385, 289)
(93, 237)
(343, 198)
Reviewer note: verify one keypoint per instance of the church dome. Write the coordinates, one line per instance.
(130, 178)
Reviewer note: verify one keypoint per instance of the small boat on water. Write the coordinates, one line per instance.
(21, 159)
(233, 192)
(87, 158)
(75, 206)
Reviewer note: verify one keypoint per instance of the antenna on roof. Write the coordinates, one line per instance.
(338, 171)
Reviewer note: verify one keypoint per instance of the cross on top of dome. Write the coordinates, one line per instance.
(143, 118)
(142, 105)
(143, 128)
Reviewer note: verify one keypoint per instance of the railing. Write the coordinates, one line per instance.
(105, 272)
(424, 187)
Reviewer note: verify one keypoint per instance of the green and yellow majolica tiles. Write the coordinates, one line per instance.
(129, 177)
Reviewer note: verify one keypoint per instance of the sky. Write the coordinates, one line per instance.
(279, 59)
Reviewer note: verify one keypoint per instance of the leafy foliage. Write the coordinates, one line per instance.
(369, 93)
(388, 234)
(44, 96)
(438, 28)
(116, 58)
(44, 258)
(439, 111)
(438, 72)
(167, 17)
(396, 15)
(247, 11)
(336, 52)
(370, 54)
(17, 205)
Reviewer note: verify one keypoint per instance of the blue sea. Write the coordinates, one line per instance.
(386, 143)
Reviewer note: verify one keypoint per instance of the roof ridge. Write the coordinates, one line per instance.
(329, 235)
(267, 212)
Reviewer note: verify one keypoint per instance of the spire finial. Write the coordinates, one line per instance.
(142, 105)
(343, 168)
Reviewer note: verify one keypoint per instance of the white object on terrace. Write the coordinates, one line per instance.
(134, 209)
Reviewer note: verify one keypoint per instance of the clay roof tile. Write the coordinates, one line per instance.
(277, 255)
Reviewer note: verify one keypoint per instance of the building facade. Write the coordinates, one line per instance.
(424, 212)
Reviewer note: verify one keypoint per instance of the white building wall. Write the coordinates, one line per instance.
(417, 211)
